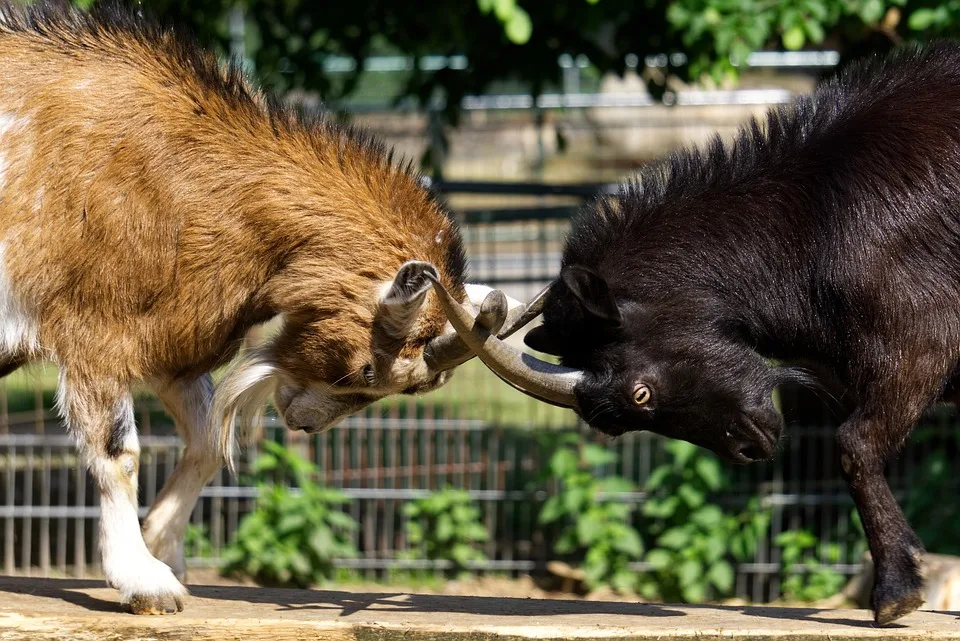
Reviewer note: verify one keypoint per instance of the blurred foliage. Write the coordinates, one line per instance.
(932, 502)
(521, 40)
(446, 525)
(804, 572)
(691, 543)
(595, 527)
(694, 543)
(293, 536)
(196, 542)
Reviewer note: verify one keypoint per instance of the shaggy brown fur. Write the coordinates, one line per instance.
(153, 207)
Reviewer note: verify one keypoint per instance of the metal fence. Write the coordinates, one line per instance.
(474, 434)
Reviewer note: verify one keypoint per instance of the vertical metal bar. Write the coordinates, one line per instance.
(45, 491)
(26, 532)
(9, 555)
(63, 500)
(80, 523)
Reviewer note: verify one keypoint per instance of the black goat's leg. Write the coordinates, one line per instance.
(865, 447)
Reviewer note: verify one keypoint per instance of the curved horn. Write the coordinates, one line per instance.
(544, 381)
(448, 351)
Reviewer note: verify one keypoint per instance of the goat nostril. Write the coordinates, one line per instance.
(751, 451)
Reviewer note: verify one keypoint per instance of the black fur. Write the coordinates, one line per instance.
(828, 237)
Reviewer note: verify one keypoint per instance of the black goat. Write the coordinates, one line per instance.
(827, 237)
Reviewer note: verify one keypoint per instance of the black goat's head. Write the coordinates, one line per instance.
(664, 366)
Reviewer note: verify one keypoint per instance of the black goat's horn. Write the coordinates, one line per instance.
(544, 381)
(448, 351)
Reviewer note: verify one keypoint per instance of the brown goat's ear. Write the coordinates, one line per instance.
(592, 292)
(401, 300)
(538, 339)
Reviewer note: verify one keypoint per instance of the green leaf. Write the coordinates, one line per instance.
(567, 542)
(341, 520)
(922, 19)
(321, 542)
(721, 575)
(715, 547)
(871, 11)
(794, 38)
(629, 543)
(815, 31)
(689, 572)
(694, 593)
(693, 497)
(291, 522)
(659, 559)
(682, 452)
(623, 580)
(589, 528)
(674, 538)
(519, 27)
(551, 511)
(657, 477)
(574, 499)
(594, 455)
(708, 517)
(563, 462)
(444, 530)
(709, 471)
(661, 508)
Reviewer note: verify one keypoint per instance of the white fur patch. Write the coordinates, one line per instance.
(127, 564)
(18, 327)
(8, 123)
(243, 391)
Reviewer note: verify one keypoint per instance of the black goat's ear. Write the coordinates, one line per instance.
(592, 292)
(538, 339)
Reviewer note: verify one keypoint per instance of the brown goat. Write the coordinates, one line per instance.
(153, 207)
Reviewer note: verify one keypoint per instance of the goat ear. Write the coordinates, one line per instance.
(592, 292)
(401, 299)
(538, 339)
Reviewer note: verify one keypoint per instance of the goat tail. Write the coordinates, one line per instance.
(241, 394)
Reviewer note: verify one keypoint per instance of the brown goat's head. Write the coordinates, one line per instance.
(323, 365)
(332, 367)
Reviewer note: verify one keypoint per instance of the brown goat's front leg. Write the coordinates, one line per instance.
(865, 447)
(100, 414)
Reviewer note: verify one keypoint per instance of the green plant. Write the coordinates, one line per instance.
(694, 544)
(595, 526)
(291, 537)
(197, 543)
(804, 576)
(930, 505)
(445, 526)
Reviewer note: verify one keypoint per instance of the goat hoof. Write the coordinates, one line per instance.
(155, 604)
(886, 611)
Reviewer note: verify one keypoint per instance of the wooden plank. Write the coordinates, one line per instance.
(87, 611)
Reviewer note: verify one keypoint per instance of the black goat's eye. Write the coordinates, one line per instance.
(641, 394)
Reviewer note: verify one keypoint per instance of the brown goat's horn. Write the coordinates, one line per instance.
(448, 351)
(544, 381)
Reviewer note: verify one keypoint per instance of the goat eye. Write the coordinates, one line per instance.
(641, 394)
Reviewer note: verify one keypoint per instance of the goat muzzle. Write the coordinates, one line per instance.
(484, 336)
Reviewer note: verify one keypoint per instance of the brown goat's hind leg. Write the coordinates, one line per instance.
(896, 550)
(188, 402)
